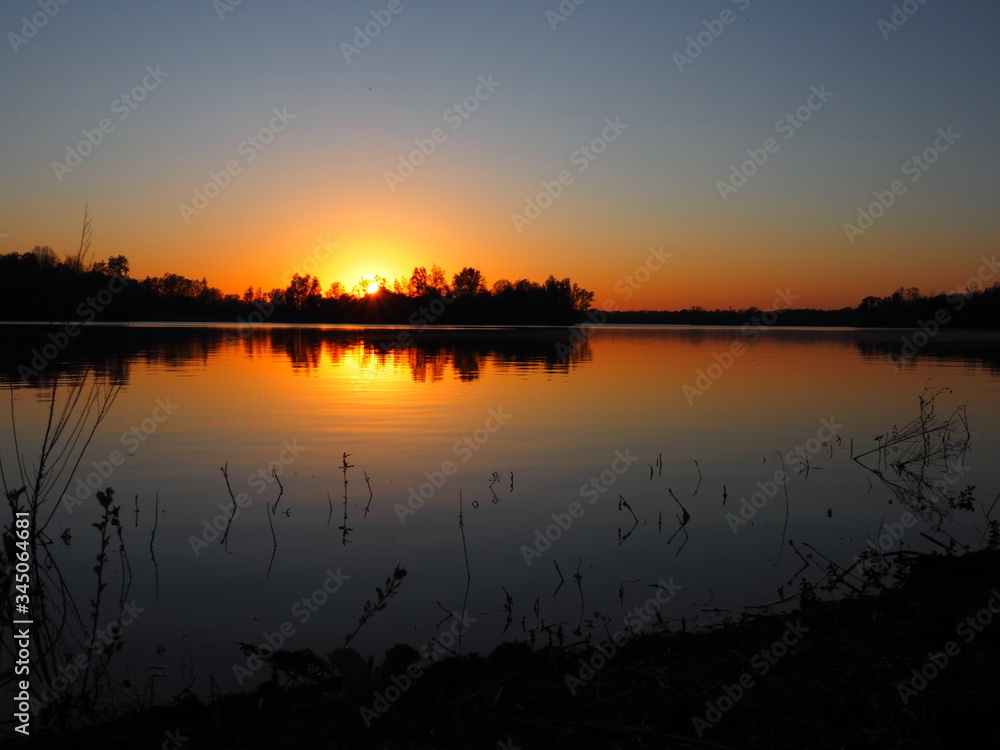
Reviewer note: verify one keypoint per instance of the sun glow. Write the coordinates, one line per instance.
(372, 287)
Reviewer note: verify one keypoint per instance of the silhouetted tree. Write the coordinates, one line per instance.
(418, 285)
(468, 282)
(303, 293)
(45, 256)
(436, 282)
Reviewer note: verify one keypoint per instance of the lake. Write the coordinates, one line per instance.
(572, 456)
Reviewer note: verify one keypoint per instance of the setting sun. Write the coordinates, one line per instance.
(372, 287)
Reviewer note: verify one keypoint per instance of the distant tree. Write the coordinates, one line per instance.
(501, 287)
(303, 292)
(118, 265)
(45, 256)
(526, 288)
(418, 286)
(582, 298)
(436, 281)
(336, 291)
(468, 282)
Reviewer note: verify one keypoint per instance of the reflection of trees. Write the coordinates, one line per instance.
(969, 347)
(109, 352)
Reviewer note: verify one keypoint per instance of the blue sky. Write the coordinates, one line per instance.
(657, 183)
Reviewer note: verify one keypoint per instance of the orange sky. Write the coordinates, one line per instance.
(634, 147)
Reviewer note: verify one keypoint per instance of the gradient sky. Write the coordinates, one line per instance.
(324, 174)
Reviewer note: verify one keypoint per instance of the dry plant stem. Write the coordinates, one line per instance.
(344, 528)
(269, 513)
(371, 494)
(225, 536)
(784, 528)
(68, 431)
(152, 538)
(468, 572)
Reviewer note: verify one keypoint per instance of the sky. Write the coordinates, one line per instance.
(661, 153)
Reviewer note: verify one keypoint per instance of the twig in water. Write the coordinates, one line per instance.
(468, 572)
(509, 609)
(784, 529)
(683, 522)
(152, 538)
(225, 536)
(699, 477)
(578, 577)
(344, 528)
(561, 579)
(269, 513)
(371, 494)
(805, 563)
(493, 480)
(635, 521)
(391, 586)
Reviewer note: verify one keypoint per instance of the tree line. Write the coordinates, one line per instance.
(38, 286)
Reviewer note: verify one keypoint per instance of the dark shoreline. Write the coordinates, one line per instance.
(830, 674)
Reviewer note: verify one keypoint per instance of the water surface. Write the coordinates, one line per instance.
(527, 431)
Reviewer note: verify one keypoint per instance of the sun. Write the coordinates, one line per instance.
(372, 287)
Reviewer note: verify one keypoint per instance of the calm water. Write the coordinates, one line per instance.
(520, 425)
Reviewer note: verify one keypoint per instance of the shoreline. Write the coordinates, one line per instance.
(916, 665)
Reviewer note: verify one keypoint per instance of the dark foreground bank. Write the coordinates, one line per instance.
(916, 666)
